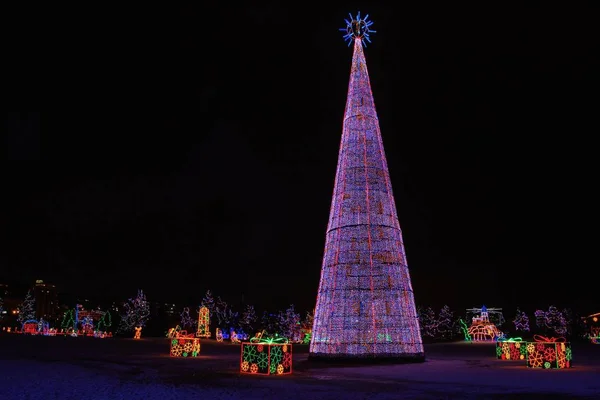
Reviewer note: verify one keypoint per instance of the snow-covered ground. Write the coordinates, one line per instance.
(86, 368)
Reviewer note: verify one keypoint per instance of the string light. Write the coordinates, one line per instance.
(365, 302)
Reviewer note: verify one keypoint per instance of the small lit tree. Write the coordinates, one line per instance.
(521, 321)
(104, 322)
(445, 323)
(289, 324)
(555, 321)
(248, 319)
(186, 319)
(309, 319)
(269, 322)
(68, 321)
(540, 319)
(225, 316)
(209, 302)
(568, 315)
(136, 312)
(428, 322)
(27, 309)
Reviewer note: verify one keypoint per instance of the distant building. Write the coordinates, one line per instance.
(10, 307)
(46, 300)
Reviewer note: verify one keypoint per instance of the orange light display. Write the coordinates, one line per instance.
(549, 353)
(138, 332)
(203, 322)
(511, 349)
(185, 346)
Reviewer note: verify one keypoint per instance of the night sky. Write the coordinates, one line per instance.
(193, 148)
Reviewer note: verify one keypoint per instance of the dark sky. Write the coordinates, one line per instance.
(193, 148)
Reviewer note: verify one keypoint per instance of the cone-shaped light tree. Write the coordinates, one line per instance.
(365, 303)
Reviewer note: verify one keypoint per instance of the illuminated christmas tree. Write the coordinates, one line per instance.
(136, 312)
(27, 309)
(105, 321)
(521, 321)
(365, 304)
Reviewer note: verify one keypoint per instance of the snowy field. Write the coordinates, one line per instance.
(86, 368)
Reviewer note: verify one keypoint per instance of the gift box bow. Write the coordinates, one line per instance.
(540, 338)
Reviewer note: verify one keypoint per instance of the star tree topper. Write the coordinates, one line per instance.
(358, 28)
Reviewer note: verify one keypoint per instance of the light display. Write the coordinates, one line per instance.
(266, 356)
(549, 353)
(234, 337)
(136, 312)
(26, 309)
(445, 323)
(87, 326)
(203, 322)
(481, 329)
(219, 335)
(185, 346)
(68, 321)
(138, 332)
(592, 322)
(521, 321)
(365, 303)
(173, 332)
(511, 349)
(30, 327)
(105, 321)
(428, 322)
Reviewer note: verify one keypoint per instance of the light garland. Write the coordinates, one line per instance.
(365, 303)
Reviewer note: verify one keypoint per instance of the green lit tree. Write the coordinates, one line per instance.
(68, 320)
(104, 322)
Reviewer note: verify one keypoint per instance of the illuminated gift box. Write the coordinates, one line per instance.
(184, 346)
(266, 358)
(549, 353)
(511, 349)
